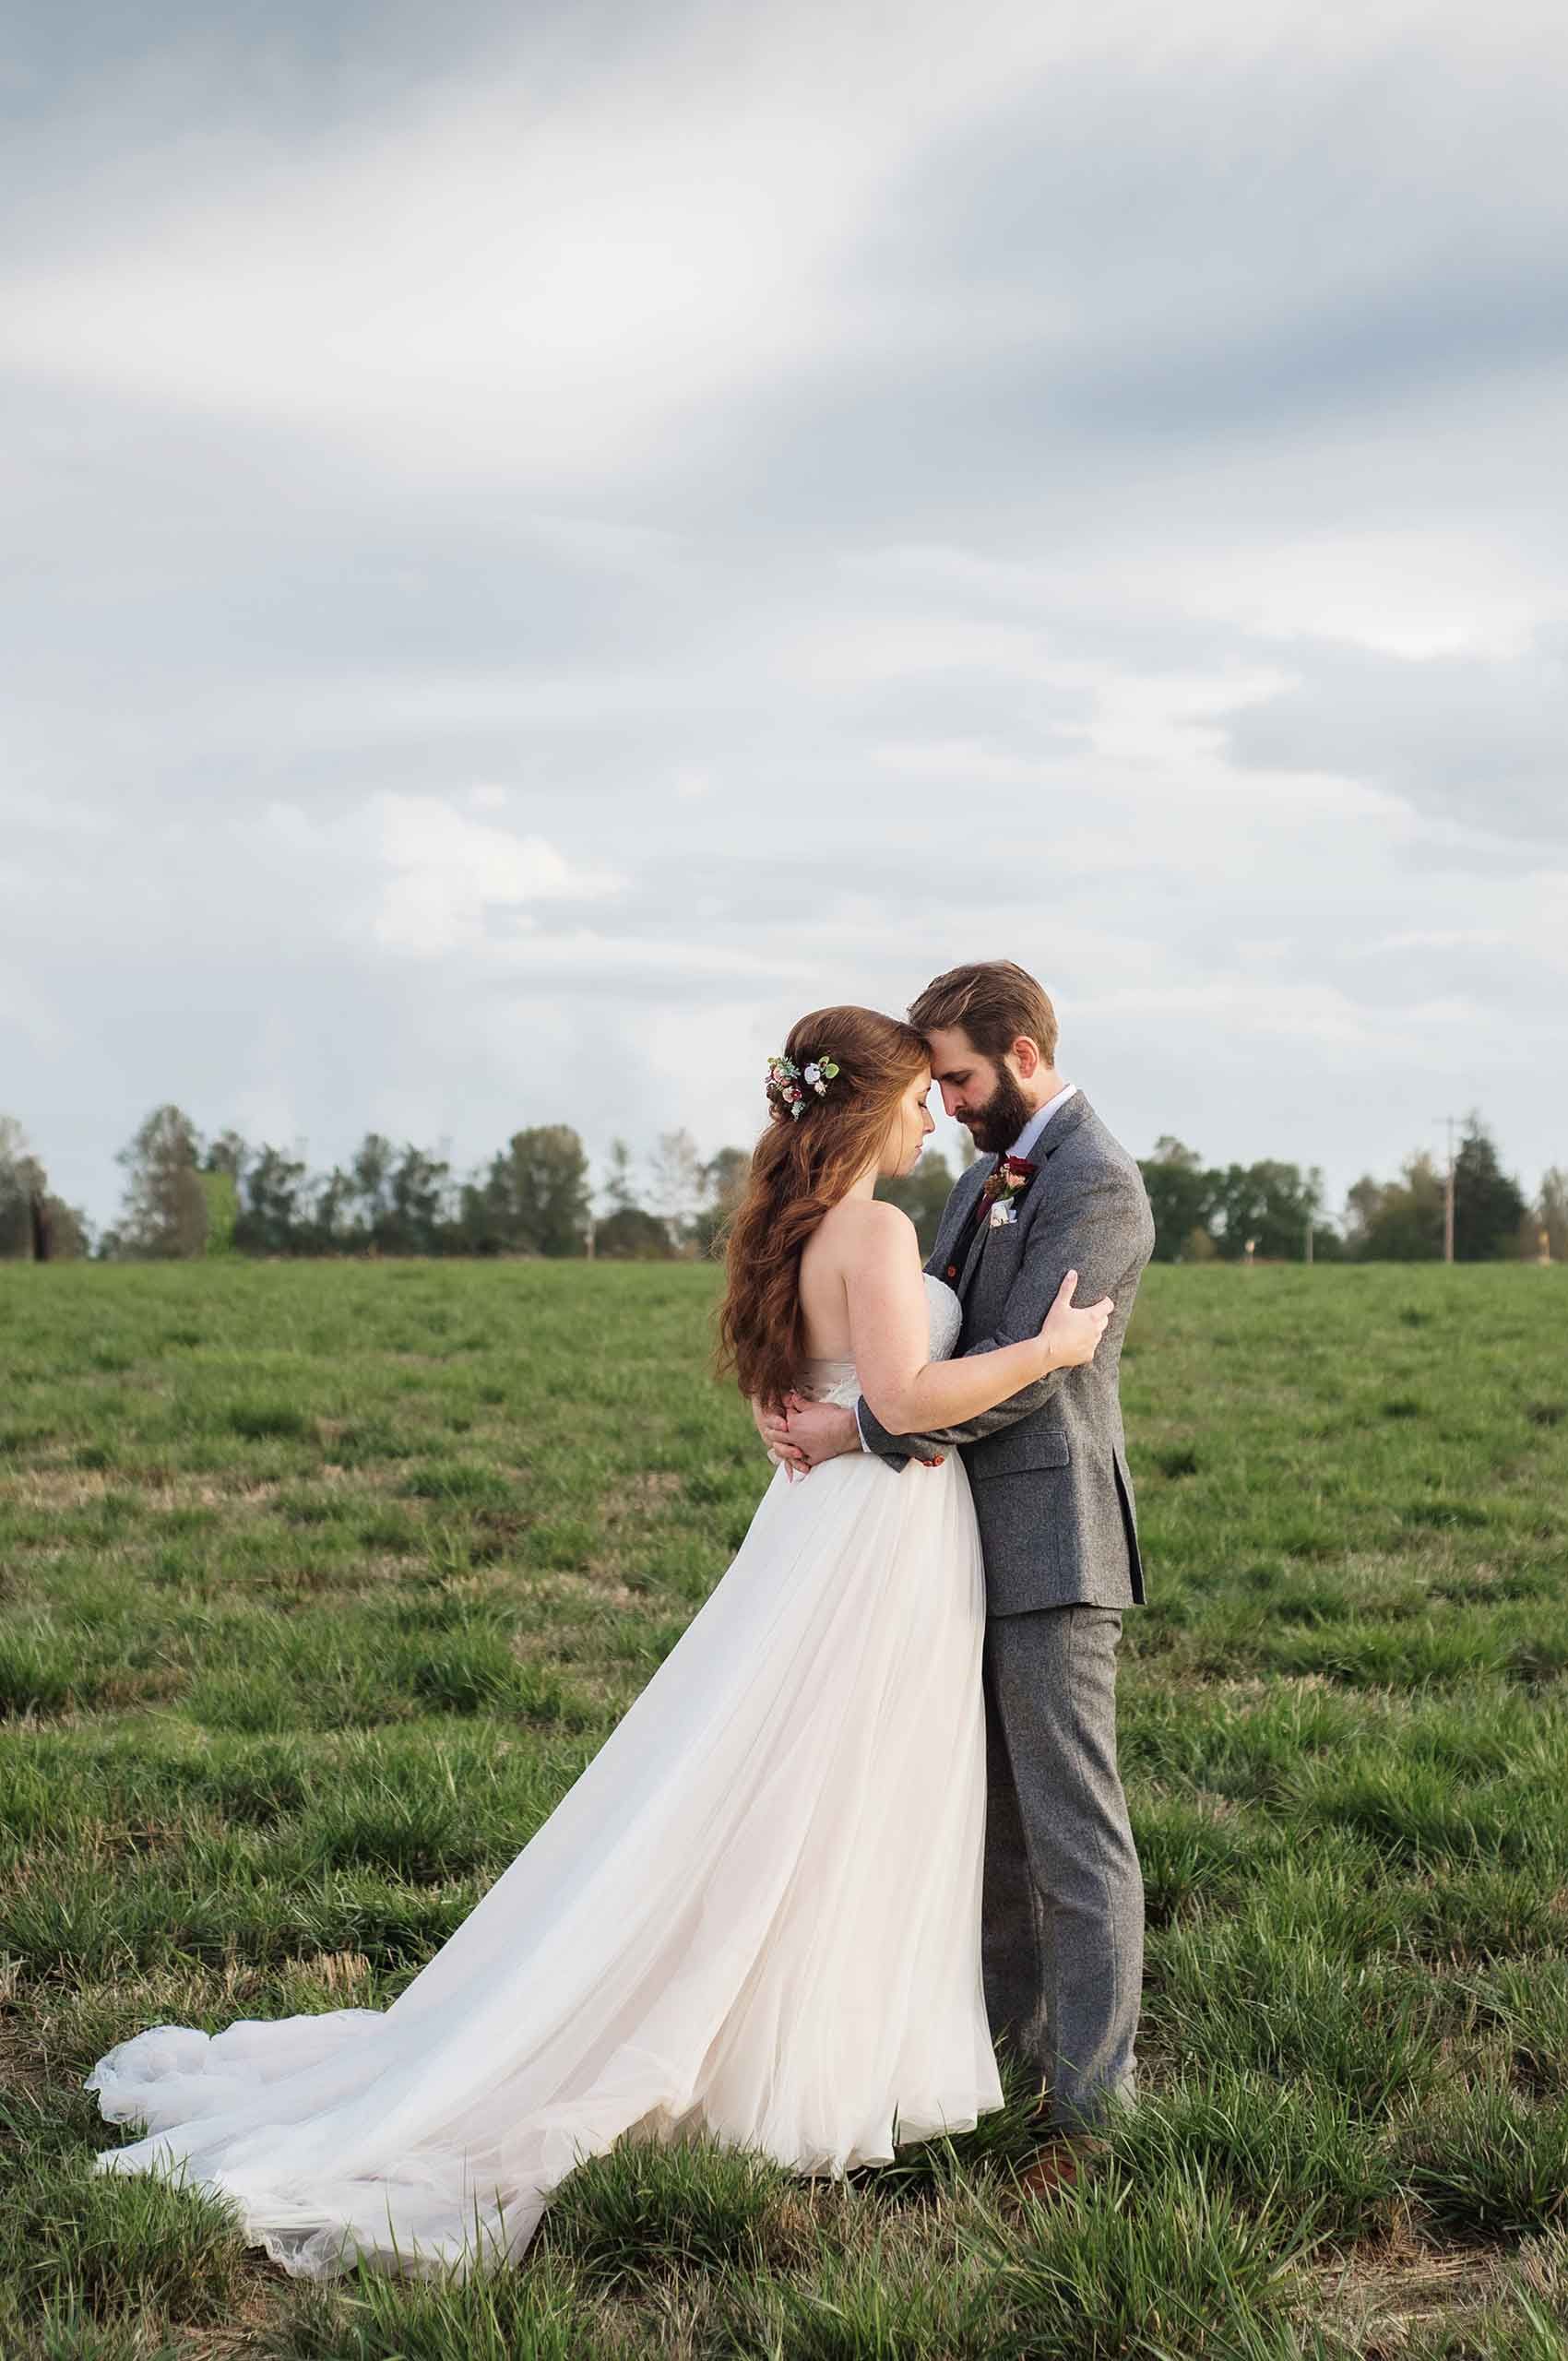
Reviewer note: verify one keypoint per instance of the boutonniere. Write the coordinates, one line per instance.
(1005, 1184)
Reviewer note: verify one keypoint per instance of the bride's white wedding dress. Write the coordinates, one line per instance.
(757, 1914)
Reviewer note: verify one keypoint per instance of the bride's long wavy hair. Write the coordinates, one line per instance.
(801, 1168)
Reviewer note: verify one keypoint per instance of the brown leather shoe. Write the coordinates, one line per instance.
(1053, 2172)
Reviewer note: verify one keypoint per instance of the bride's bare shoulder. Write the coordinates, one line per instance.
(869, 1225)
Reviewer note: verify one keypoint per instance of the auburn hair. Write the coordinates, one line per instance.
(994, 1001)
(801, 1168)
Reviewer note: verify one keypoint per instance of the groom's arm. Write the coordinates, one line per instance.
(1093, 1225)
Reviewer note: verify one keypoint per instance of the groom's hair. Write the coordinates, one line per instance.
(994, 1001)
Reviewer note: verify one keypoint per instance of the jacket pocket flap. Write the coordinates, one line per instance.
(1024, 1445)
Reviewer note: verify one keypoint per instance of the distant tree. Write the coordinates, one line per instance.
(480, 1226)
(922, 1193)
(1272, 1203)
(222, 1168)
(228, 1152)
(630, 1234)
(676, 1185)
(332, 1227)
(1402, 1222)
(35, 1225)
(371, 1174)
(1488, 1204)
(1181, 1196)
(73, 1231)
(1398, 1221)
(165, 1211)
(1364, 1202)
(619, 1190)
(420, 1189)
(535, 1196)
(723, 1185)
(273, 1216)
(223, 1200)
(22, 1183)
(1553, 1211)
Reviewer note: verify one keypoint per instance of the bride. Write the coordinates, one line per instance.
(757, 1913)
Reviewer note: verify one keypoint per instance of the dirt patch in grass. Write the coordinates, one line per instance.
(600, 1581)
(158, 1685)
(22, 2073)
(643, 1491)
(75, 1488)
(541, 1647)
(349, 1583)
(78, 1488)
(240, 2338)
(1381, 2294)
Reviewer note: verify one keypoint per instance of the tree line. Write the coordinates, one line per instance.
(1275, 1212)
(187, 1195)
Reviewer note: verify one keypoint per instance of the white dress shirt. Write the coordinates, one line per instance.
(1022, 1146)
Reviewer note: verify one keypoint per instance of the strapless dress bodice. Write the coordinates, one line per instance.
(837, 1381)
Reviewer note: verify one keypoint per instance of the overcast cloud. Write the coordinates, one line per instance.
(541, 544)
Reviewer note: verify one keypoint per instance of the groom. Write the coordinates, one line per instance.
(1063, 1910)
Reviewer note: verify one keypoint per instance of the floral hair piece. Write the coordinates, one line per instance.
(790, 1081)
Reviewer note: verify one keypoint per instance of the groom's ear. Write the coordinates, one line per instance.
(1026, 1056)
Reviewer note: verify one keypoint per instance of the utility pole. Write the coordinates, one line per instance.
(1448, 1195)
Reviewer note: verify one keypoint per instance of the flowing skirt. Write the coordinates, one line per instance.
(755, 1915)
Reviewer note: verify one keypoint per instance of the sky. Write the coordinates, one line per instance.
(539, 545)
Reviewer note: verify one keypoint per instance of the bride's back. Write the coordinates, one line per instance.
(826, 1266)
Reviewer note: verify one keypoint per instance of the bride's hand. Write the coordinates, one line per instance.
(781, 1450)
(1070, 1337)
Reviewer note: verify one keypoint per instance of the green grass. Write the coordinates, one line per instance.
(321, 1583)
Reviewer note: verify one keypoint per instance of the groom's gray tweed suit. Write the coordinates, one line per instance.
(1064, 1916)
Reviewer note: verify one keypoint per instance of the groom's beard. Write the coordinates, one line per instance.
(996, 1126)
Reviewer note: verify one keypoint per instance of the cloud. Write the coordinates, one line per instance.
(1479, 739)
(554, 539)
(438, 878)
(494, 285)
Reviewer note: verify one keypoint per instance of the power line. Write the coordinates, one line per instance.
(1448, 1194)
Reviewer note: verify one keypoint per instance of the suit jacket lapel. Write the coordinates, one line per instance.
(971, 1248)
(1029, 1202)
(955, 1238)
(960, 1241)
(971, 1243)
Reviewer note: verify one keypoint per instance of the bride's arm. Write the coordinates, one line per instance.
(907, 1391)
(1099, 1223)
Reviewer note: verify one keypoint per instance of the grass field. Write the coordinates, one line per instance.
(321, 1581)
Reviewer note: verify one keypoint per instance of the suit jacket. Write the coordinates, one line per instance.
(1048, 1468)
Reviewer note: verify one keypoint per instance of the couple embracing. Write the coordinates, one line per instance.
(864, 1823)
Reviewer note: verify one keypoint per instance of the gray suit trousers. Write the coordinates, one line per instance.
(1063, 1929)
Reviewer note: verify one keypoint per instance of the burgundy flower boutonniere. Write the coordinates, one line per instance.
(1005, 1184)
(1000, 1194)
